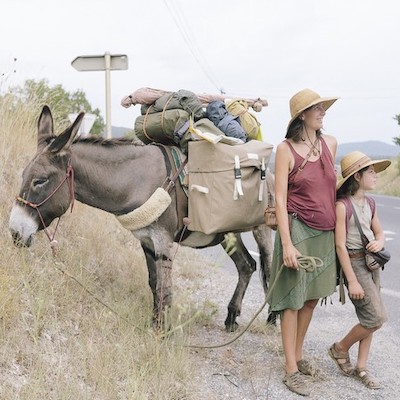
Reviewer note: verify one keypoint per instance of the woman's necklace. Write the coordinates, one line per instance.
(314, 147)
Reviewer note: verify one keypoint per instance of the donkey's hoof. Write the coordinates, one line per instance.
(231, 327)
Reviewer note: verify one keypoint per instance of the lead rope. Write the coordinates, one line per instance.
(112, 310)
(306, 263)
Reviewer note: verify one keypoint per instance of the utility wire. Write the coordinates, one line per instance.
(179, 20)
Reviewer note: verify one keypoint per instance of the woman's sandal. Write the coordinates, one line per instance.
(366, 378)
(306, 368)
(342, 360)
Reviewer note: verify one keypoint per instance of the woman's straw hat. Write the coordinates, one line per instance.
(356, 161)
(307, 98)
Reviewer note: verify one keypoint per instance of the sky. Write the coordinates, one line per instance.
(255, 48)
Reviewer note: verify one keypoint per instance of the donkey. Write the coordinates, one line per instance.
(119, 176)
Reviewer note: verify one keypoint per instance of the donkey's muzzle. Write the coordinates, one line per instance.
(19, 241)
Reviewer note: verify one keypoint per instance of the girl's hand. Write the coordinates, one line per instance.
(356, 291)
(290, 254)
(374, 246)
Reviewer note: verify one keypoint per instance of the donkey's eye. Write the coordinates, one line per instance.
(37, 183)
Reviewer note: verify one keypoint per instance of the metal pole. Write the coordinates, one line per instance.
(107, 59)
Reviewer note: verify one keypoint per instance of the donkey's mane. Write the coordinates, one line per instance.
(109, 142)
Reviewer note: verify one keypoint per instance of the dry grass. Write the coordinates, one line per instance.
(57, 340)
(389, 180)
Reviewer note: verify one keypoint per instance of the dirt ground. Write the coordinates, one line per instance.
(251, 368)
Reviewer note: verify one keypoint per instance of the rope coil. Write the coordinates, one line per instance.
(306, 264)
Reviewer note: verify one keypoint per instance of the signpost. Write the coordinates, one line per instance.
(107, 62)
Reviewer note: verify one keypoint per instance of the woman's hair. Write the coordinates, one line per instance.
(296, 129)
(351, 186)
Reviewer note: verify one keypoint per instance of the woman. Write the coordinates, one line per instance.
(359, 175)
(305, 193)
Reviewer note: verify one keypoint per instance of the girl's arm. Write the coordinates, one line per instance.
(379, 242)
(283, 164)
(354, 288)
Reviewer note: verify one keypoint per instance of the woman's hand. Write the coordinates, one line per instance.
(356, 291)
(290, 254)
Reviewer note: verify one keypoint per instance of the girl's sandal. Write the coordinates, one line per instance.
(342, 360)
(366, 378)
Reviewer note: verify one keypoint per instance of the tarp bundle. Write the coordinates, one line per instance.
(161, 122)
(148, 96)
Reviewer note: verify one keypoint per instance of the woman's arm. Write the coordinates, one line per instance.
(331, 143)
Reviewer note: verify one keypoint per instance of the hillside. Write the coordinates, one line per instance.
(372, 148)
(119, 131)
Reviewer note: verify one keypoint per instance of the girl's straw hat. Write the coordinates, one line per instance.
(356, 161)
(307, 98)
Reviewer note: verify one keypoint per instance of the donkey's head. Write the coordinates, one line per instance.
(47, 181)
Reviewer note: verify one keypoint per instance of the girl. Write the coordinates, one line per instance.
(359, 174)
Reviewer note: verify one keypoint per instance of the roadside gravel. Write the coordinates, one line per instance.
(251, 368)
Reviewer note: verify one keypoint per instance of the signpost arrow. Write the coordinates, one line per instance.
(107, 62)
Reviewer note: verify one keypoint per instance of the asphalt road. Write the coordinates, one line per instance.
(388, 209)
(389, 215)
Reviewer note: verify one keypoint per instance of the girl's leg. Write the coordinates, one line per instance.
(289, 338)
(363, 351)
(361, 371)
(303, 322)
(357, 334)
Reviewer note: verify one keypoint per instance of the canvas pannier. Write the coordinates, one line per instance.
(227, 186)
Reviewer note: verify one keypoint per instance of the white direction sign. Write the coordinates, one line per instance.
(98, 62)
(106, 62)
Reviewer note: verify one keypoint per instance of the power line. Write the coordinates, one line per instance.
(184, 29)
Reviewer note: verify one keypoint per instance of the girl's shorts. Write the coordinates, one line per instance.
(370, 310)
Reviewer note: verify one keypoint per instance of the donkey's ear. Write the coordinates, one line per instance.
(45, 125)
(65, 139)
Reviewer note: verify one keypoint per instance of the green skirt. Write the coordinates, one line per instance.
(293, 288)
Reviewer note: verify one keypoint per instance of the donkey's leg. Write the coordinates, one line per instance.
(245, 265)
(160, 281)
(263, 236)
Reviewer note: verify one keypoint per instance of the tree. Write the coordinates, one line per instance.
(59, 100)
(396, 140)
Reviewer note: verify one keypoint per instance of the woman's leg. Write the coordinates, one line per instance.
(303, 322)
(289, 337)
